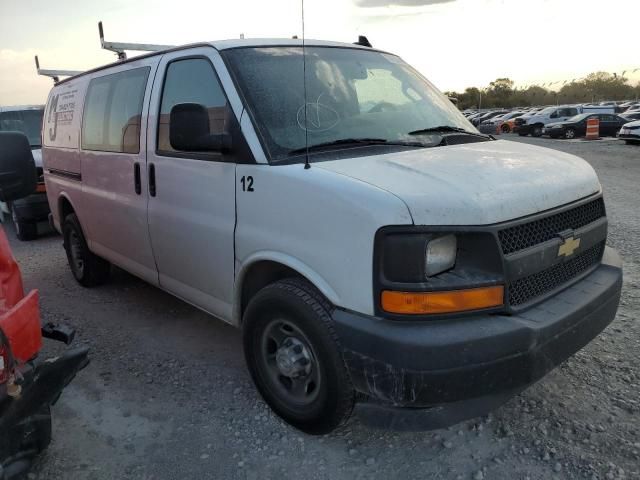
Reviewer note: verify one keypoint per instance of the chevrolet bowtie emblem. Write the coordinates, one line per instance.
(569, 246)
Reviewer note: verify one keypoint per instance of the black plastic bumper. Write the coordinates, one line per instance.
(483, 359)
(22, 419)
(34, 208)
(524, 129)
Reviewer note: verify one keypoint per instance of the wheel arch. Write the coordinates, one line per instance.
(264, 268)
(65, 207)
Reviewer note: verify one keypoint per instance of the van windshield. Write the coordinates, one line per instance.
(350, 94)
(28, 122)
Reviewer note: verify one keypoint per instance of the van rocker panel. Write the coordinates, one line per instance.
(424, 363)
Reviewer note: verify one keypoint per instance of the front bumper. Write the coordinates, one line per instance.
(481, 360)
(24, 420)
(630, 136)
(34, 208)
(523, 128)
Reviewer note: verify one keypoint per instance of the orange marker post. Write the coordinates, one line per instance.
(593, 129)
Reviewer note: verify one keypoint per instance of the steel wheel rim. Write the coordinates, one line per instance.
(75, 252)
(289, 362)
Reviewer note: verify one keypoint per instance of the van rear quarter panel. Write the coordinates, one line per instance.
(61, 142)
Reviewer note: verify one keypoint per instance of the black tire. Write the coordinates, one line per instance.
(87, 268)
(570, 133)
(536, 131)
(505, 128)
(297, 311)
(25, 231)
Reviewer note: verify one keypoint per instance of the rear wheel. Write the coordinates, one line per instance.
(570, 133)
(294, 358)
(25, 231)
(87, 268)
(505, 128)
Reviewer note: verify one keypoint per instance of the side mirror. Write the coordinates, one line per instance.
(18, 176)
(189, 130)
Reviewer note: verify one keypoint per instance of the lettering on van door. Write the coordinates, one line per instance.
(61, 112)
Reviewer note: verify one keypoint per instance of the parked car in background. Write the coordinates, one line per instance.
(534, 124)
(630, 132)
(494, 113)
(29, 386)
(28, 211)
(631, 116)
(577, 126)
(504, 123)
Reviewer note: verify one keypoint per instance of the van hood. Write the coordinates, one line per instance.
(476, 183)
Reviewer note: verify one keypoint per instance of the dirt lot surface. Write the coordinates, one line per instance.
(167, 395)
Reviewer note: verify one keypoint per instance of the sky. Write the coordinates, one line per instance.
(454, 43)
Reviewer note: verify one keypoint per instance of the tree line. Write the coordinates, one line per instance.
(595, 87)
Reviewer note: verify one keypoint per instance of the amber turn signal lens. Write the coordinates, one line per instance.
(442, 302)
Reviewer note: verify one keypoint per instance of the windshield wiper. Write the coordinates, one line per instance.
(355, 142)
(447, 129)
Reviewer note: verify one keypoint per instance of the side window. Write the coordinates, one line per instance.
(192, 80)
(572, 112)
(112, 112)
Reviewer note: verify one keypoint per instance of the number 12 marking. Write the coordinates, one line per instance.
(247, 183)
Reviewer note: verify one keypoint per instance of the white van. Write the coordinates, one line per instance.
(535, 124)
(368, 241)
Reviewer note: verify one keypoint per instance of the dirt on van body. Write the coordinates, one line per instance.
(167, 394)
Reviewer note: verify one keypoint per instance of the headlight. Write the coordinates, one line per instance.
(440, 255)
(413, 258)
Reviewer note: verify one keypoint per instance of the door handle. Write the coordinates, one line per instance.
(136, 178)
(152, 180)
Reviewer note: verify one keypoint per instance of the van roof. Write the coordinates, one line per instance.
(231, 44)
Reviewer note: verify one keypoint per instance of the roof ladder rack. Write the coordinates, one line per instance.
(55, 74)
(120, 47)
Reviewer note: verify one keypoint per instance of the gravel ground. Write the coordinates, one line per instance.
(167, 395)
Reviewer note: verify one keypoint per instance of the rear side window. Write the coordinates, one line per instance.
(191, 80)
(113, 110)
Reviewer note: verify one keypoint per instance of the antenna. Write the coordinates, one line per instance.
(55, 74)
(304, 86)
(364, 41)
(120, 47)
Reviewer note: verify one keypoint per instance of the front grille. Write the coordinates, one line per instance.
(527, 288)
(527, 235)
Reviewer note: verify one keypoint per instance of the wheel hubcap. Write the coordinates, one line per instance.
(289, 362)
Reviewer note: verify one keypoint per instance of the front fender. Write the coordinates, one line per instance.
(288, 261)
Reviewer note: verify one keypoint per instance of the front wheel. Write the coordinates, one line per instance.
(294, 358)
(570, 133)
(25, 231)
(87, 268)
(505, 128)
(536, 131)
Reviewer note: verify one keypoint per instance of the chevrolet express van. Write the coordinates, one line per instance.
(371, 244)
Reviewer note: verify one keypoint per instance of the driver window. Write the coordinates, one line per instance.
(191, 80)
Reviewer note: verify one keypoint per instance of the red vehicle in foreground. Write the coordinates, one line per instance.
(28, 385)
